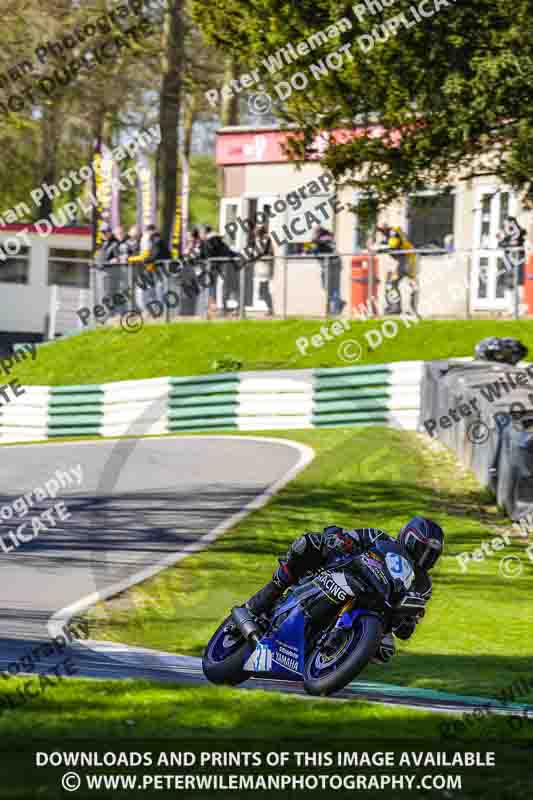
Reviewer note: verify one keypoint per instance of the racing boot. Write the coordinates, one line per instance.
(244, 618)
(266, 598)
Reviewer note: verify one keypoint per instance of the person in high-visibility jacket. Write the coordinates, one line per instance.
(394, 239)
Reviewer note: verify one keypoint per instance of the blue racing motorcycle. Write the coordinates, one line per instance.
(325, 630)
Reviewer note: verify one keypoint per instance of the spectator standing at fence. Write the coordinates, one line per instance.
(129, 248)
(323, 246)
(395, 239)
(109, 245)
(121, 250)
(117, 272)
(139, 245)
(138, 251)
(102, 259)
(133, 242)
(157, 250)
(213, 246)
(152, 249)
(265, 266)
(193, 245)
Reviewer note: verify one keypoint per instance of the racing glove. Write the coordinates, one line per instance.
(408, 614)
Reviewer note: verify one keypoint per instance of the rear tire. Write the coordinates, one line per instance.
(322, 676)
(222, 663)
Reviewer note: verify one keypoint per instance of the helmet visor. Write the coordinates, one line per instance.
(431, 553)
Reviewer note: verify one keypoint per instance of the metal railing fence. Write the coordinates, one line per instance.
(281, 283)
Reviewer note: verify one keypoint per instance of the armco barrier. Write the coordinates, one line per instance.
(288, 399)
(476, 437)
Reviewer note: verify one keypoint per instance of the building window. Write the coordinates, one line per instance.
(430, 219)
(504, 208)
(500, 279)
(483, 278)
(301, 243)
(16, 269)
(230, 218)
(366, 211)
(69, 267)
(485, 219)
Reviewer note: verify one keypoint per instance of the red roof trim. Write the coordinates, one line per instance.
(76, 231)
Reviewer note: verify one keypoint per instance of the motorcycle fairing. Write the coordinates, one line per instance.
(282, 653)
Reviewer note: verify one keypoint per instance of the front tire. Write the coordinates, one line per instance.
(224, 656)
(326, 674)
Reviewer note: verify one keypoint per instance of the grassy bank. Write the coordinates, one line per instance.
(136, 708)
(85, 716)
(475, 637)
(111, 354)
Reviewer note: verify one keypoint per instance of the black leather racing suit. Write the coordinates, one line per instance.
(366, 547)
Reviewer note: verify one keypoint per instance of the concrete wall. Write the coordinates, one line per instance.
(443, 282)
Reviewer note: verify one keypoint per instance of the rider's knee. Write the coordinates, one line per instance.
(283, 576)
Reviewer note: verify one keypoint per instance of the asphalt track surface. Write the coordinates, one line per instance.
(142, 505)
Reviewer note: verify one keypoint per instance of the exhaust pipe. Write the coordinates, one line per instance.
(246, 623)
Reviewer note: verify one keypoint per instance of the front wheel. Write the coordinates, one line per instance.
(225, 655)
(325, 673)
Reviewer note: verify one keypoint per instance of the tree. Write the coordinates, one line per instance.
(169, 113)
(58, 132)
(204, 69)
(447, 93)
(229, 114)
(154, 78)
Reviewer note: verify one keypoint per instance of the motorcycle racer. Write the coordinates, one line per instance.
(420, 541)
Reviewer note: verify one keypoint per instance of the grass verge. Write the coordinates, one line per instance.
(111, 354)
(137, 708)
(138, 716)
(475, 638)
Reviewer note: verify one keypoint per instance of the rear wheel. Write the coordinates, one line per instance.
(225, 655)
(328, 671)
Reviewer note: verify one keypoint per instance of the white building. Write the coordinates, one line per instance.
(257, 174)
(60, 259)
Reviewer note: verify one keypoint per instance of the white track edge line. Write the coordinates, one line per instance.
(60, 618)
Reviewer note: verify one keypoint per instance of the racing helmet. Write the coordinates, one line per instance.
(423, 541)
(506, 351)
